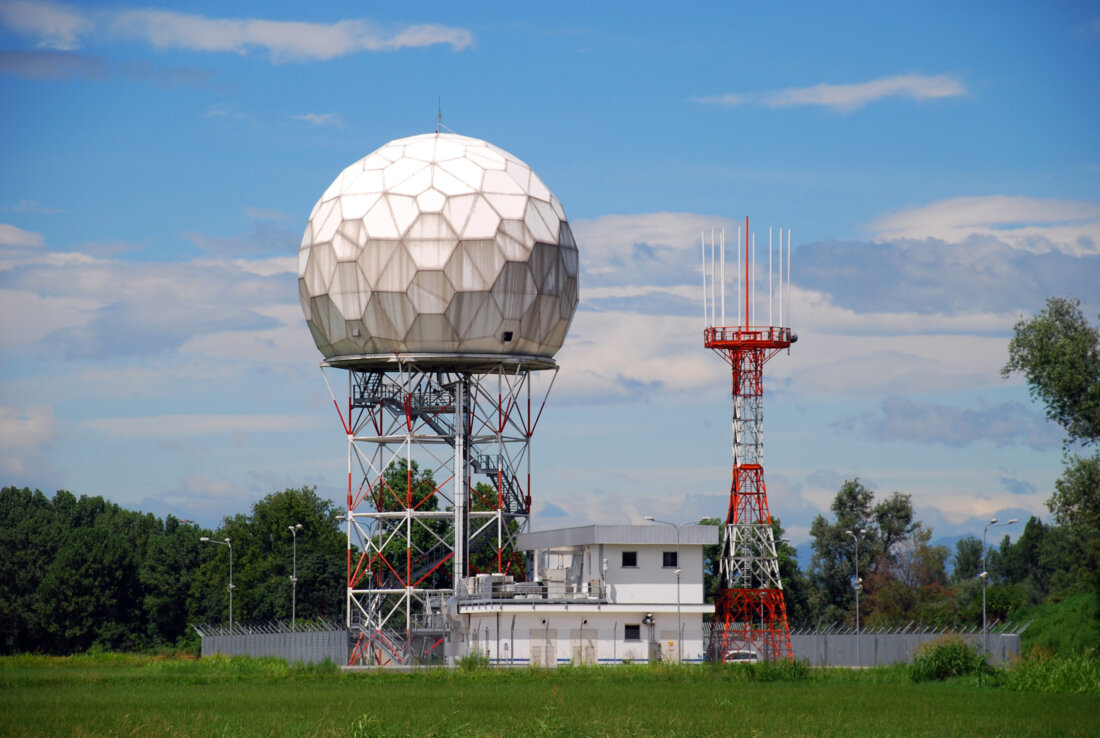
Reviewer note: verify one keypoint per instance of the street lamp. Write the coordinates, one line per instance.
(206, 539)
(859, 586)
(984, 576)
(294, 579)
(679, 633)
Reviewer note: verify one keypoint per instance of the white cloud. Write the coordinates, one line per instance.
(321, 119)
(283, 40)
(30, 206)
(626, 356)
(889, 318)
(27, 434)
(55, 25)
(265, 214)
(848, 97)
(26, 317)
(77, 306)
(17, 237)
(59, 26)
(176, 426)
(1025, 223)
(1004, 424)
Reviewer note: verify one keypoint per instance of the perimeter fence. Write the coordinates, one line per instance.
(317, 641)
(842, 646)
(308, 641)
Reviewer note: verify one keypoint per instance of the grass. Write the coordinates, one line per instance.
(141, 695)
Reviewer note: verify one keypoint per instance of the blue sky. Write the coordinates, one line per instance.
(938, 165)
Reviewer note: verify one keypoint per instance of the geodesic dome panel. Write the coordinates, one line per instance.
(438, 244)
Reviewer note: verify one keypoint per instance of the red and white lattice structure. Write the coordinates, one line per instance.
(750, 611)
(411, 544)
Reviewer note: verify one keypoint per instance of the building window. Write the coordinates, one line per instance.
(633, 633)
(668, 559)
(630, 558)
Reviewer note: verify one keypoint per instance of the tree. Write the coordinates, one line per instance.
(711, 562)
(886, 528)
(89, 595)
(30, 535)
(968, 559)
(1076, 499)
(796, 586)
(832, 566)
(910, 584)
(263, 560)
(1058, 353)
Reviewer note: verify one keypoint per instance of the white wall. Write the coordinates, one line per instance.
(603, 637)
(650, 581)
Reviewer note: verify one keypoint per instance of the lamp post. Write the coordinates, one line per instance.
(226, 542)
(294, 579)
(859, 586)
(679, 633)
(984, 576)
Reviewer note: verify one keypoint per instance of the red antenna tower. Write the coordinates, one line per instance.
(750, 612)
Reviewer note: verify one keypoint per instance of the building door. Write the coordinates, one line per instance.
(584, 645)
(544, 647)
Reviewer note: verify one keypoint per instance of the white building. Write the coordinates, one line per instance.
(600, 594)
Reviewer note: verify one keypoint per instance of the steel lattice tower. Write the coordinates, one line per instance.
(750, 612)
(412, 544)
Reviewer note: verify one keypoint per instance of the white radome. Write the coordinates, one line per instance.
(437, 247)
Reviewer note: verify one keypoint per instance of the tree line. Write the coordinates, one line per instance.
(84, 573)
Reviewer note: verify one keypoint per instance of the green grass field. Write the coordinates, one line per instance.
(143, 695)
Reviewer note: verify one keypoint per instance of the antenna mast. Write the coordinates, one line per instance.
(751, 613)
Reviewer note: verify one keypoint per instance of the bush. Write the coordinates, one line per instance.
(947, 656)
(473, 661)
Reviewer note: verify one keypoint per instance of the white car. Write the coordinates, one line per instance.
(741, 657)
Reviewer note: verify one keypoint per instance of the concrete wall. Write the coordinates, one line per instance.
(881, 649)
(312, 647)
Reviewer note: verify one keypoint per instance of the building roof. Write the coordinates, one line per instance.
(586, 535)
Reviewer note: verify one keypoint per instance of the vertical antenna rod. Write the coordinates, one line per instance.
(703, 254)
(746, 271)
(722, 248)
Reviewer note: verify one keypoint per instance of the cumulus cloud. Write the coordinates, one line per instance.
(282, 40)
(66, 27)
(893, 317)
(932, 277)
(78, 306)
(1005, 424)
(847, 97)
(1034, 225)
(18, 238)
(27, 434)
(54, 25)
